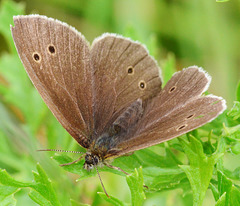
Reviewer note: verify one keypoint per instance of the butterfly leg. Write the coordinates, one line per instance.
(116, 168)
(73, 161)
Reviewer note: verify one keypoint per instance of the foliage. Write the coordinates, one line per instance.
(191, 164)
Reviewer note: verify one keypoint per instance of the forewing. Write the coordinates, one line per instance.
(123, 73)
(174, 111)
(57, 60)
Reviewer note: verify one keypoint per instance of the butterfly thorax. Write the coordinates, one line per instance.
(99, 149)
(103, 144)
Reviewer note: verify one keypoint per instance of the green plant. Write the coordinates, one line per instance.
(192, 163)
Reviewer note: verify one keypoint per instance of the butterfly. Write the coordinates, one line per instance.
(109, 95)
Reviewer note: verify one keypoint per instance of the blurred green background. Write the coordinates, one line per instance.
(184, 33)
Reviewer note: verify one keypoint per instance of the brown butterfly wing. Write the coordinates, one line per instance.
(179, 108)
(57, 60)
(124, 72)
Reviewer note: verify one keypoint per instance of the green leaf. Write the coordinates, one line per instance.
(200, 170)
(39, 199)
(7, 180)
(221, 201)
(233, 132)
(7, 195)
(114, 201)
(135, 183)
(214, 191)
(234, 175)
(42, 191)
(224, 184)
(236, 148)
(235, 111)
(230, 195)
(157, 178)
(7, 10)
(235, 196)
(152, 163)
(45, 187)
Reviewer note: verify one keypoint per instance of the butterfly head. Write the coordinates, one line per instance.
(90, 161)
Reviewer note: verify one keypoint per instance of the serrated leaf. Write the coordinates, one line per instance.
(235, 111)
(7, 180)
(230, 195)
(233, 132)
(145, 158)
(157, 178)
(6, 195)
(236, 148)
(42, 192)
(200, 169)
(224, 184)
(135, 183)
(148, 158)
(235, 196)
(234, 175)
(39, 199)
(214, 191)
(45, 187)
(221, 201)
(8, 201)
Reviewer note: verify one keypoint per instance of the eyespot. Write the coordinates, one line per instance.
(142, 85)
(190, 116)
(130, 70)
(172, 89)
(51, 49)
(181, 127)
(36, 57)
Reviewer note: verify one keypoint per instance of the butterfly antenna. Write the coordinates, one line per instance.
(58, 150)
(102, 182)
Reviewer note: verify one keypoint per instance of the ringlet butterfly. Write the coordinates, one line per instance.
(108, 96)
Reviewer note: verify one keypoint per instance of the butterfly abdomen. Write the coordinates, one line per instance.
(120, 127)
(129, 117)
